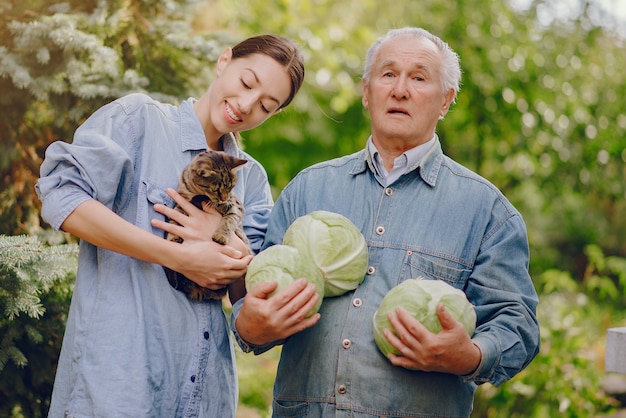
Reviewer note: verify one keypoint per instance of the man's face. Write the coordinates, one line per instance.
(403, 94)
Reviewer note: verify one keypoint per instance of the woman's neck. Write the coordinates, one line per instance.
(203, 112)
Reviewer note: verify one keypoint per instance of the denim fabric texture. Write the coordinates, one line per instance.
(440, 221)
(133, 345)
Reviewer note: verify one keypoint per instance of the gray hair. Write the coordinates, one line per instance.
(450, 65)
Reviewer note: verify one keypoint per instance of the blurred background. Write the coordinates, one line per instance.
(541, 113)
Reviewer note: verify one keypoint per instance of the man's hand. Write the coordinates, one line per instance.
(449, 351)
(264, 319)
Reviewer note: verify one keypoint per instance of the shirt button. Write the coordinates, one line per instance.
(409, 252)
(193, 378)
(342, 389)
(357, 302)
(371, 270)
(206, 335)
(388, 191)
(346, 343)
(380, 230)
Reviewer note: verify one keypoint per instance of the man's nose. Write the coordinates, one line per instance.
(400, 88)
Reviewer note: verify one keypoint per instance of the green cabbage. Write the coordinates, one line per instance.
(420, 298)
(284, 264)
(336, 246)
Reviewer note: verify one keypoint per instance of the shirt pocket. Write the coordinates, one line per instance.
(150, 194)
(290, 409)
(157, 194)
(420, 264)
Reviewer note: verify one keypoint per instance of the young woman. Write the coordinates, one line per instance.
(134, 346)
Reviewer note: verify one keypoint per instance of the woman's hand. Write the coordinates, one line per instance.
(199, 258)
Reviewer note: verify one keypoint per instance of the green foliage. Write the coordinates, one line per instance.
(60, 61)
(35, 290)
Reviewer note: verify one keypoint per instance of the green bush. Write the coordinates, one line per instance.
(36, 282)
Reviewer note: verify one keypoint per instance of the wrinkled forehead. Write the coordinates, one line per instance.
(407, 53)
(409, 49)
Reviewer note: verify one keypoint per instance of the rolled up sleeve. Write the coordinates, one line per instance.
(96, 165)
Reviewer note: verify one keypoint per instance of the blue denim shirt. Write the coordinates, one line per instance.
(134, 346)
(440, 221)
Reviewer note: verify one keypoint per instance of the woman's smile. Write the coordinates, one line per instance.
(231, 114)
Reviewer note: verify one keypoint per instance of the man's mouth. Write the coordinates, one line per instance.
(231, 113)
(399, 111)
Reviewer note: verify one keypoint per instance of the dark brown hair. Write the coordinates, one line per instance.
(282, 50)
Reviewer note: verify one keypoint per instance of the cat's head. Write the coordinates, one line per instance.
(213, 174)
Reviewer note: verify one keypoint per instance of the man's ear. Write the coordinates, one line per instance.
(364, 95)
(223, 60)
(449, 96)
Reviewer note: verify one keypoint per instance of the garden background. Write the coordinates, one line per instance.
(541, 113)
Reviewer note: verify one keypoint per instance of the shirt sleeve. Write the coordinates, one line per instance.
(505, 300)
(277, 225)
(96, 165)
(258, 203)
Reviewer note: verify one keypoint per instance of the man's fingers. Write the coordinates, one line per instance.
(263, 289)
(446, 319)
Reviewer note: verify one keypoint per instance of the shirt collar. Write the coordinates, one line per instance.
(409, 159)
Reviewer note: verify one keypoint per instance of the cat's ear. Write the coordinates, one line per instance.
(238, 162)
(223, 60)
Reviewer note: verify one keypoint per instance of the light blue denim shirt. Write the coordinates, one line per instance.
(134, 346)
(440, 221)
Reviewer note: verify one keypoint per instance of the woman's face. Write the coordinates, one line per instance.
(247, 91)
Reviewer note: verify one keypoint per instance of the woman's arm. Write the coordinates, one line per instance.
(205, 262)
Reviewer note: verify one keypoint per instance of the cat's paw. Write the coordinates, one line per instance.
(220, 238)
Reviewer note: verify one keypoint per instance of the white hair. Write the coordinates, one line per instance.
(450, 65)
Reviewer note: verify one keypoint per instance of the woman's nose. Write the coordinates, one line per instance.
(246, 103)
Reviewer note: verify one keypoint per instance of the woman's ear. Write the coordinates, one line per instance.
(223, 60)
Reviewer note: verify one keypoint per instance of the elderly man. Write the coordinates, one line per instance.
(422, 214)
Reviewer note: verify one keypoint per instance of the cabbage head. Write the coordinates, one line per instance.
(283, 264)
(420, 298)
(336, 246)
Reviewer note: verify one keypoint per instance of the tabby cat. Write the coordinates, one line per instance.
(210, 178)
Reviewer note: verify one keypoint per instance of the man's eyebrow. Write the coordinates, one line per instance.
(256, 77)
(417, 65)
